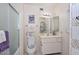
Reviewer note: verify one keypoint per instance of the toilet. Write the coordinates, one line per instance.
(31, 51)
(31, 44)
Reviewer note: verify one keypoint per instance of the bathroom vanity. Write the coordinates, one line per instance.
(51, 44)
(50, 36)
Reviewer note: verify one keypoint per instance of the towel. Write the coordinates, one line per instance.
(4, 41)
(2, 36)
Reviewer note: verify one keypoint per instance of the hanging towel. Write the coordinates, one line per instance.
(5, 42)
(2, 36)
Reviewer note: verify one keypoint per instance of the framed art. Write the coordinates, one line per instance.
(31, 19)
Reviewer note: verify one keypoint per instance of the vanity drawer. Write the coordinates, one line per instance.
(48, 48)
(51, 40)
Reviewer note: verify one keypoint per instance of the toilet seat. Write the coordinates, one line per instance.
(31, 51)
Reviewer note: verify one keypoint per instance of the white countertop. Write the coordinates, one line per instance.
(50, 36)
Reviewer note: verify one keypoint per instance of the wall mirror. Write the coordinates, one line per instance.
(55, 25)
(49, 26)
(43, 27)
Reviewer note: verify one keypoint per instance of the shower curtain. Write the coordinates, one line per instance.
(74, 29)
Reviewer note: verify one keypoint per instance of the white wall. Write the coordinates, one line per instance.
(61, 10)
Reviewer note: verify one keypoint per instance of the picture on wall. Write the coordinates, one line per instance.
(31, 19)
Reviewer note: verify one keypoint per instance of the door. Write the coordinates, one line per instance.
(13, 29)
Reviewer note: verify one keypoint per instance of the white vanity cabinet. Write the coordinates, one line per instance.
(51, 44)
(50, 34)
